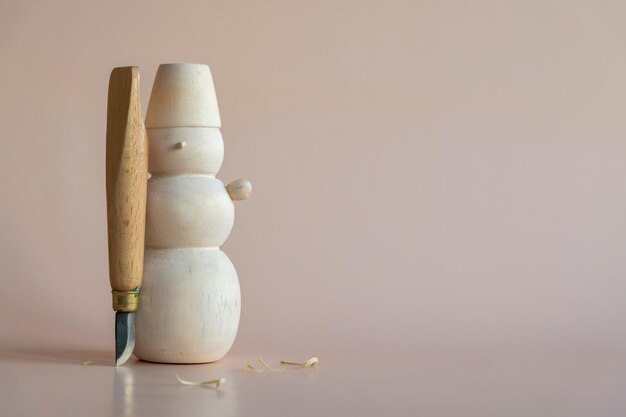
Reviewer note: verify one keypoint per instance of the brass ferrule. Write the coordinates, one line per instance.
(126, 301)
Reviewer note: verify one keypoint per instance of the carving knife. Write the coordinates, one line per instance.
(126, 184)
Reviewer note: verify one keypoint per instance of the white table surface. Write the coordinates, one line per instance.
(51, 381)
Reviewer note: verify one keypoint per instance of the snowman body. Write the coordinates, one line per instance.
(190, 298)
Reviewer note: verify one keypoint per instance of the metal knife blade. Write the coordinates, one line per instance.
(124, 336)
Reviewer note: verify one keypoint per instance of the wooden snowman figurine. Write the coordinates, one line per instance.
(190, 300)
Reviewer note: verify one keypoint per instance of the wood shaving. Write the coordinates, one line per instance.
(263, 365)
(216, 382)
(88, 362)
(311, 363)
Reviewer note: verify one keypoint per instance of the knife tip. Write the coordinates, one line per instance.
(124, 336)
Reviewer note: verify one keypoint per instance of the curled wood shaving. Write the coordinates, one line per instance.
(311, 363)
(216, 382)
(88, 362)
(262, 366)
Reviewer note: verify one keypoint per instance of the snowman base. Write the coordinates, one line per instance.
(189, 306)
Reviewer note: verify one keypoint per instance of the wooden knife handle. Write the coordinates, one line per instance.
(126, 183)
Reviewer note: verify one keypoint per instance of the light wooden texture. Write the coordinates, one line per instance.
(190, 300)
(239, 189)
(126, 179)
(183, 95)
(188, 211)
(203, 152)
(190, 306)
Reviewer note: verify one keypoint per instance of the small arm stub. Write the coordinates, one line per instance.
(239, 190)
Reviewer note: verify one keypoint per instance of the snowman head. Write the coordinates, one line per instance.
(183, 121)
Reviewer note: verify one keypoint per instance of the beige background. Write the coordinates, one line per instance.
(427, 175)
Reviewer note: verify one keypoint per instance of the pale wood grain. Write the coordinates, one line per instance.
(183, 95)
(190, 300)
(239, 189)
(126, 177)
